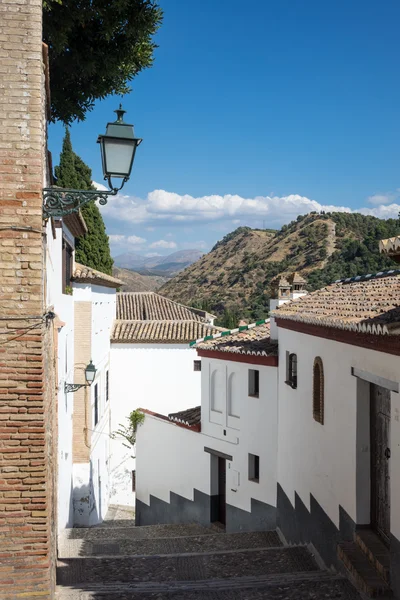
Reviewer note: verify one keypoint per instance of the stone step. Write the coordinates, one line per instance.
(375, 550)
(105, 533)
(191, 567)
(73, 548)
(291, 586)
(363, 573)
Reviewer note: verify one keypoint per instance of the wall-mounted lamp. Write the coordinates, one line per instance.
(118, 147)
(90, 373)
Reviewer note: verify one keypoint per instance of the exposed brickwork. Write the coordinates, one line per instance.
(27, 408)
(82, 410)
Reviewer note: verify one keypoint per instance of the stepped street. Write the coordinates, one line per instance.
(118, 561)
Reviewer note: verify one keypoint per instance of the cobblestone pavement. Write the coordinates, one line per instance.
(117, 561)
(71, 548)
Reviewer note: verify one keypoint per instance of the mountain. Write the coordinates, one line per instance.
(234, 279)
(134, 282)
(158, 265)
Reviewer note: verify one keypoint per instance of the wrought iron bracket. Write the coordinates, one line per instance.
(74, 387)
(59, 202)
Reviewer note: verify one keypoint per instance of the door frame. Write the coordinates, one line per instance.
(363, 439)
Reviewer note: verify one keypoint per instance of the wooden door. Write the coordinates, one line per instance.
(380, 460)
(222, 490)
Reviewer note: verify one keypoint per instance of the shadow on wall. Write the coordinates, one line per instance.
(121, 478)
(84, 501)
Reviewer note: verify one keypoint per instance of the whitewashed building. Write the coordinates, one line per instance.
(217, 463)
(84, 303)
(152, 366)
(94, 296)
(339, 425)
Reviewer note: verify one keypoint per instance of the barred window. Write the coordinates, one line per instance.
(291, 369)
(318, 390)
(197, 365)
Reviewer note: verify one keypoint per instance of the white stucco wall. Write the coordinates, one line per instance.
(158, 377)
(170, 458)
(322, 459)
(63, 306)
(254, 432)
(103, 300)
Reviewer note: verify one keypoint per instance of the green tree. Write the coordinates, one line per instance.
(92, 250)
(95, 48)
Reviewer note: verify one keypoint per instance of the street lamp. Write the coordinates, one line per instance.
(118, 147)
(90, 373)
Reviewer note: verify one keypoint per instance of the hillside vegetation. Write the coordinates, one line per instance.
(234, 279)
(135, 282)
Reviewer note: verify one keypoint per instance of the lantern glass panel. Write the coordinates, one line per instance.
(118, 157)
(90, 372)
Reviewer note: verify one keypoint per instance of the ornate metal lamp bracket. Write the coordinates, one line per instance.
(74, 387)
(59, 202)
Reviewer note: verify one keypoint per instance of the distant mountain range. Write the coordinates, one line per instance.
(166, 266)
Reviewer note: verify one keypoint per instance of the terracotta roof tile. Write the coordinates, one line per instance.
(83, 274)
(149, 306)
(254, 341)
(190, 416)
(129, 332)
(369, 304)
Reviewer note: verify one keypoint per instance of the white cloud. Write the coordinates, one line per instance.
(99, 186)
(152, 254)
(116, 239)
(387, 198)
(134, 239)
(169, 208)
(163, 244)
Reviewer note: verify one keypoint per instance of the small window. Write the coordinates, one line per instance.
(291, 369)
(318, 390)
(197, 365)
(254, 383)
(254, 468)
(107, 385)
(67, 254)
(133, 481)
(96, 404)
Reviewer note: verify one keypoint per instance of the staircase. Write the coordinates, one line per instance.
(367, 560)
(189, 562)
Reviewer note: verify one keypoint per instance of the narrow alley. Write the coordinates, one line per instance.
(119, 561)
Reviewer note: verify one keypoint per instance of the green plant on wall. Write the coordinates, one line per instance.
(128, 432)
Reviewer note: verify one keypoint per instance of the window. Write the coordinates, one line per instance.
(318, 390)
(67, 253)
(107, 385)
(197, 365)
(291, 369)
(254, 468)
(96, 404)
(254, 383)
(133, 481)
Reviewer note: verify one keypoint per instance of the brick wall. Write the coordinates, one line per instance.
(27, 407)
(82, 423)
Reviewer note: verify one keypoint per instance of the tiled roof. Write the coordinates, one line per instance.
(149, 306)
(159, 331)
(84, 274)
(191, 416)
(368, 304)
(253, 340)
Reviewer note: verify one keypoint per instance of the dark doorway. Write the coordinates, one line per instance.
(380, 464)
(221, 490)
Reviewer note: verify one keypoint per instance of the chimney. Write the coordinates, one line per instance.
(298, 285)
(391, 247)
(282, 290)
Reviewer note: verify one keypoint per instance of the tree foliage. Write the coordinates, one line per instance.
(96, 48)
(93, 249)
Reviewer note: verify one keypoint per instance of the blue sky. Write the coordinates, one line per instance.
(252, 114)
